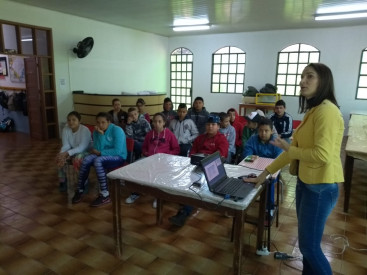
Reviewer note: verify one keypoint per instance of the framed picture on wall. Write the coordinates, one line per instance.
(3, 66)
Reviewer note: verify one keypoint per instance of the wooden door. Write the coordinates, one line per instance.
(34, 99)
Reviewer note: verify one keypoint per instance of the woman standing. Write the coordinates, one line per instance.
(314, 155)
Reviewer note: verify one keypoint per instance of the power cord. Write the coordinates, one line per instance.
(335, 237)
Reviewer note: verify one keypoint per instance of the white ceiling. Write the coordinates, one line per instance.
(156, 16)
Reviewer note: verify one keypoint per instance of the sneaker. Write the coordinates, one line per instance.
(154, 203)
(132, 198)
(77, 197)
(179, 219)
(101, 200)
(63, 187)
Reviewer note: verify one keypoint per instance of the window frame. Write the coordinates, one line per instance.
(187, 63)
(361, 63)
(299, 65)
(222, 77)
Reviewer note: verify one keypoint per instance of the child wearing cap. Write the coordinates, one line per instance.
(230, 133)
(208, 143)
(199, 114)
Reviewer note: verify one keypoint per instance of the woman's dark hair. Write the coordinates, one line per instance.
(76, 114)
(162, 115)
(107, 116)
(325, 90)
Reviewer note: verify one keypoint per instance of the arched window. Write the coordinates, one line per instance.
(362, 79)
(291, 62)
(181, 77)
(228, 70)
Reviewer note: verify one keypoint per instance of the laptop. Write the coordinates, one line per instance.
(218, 181)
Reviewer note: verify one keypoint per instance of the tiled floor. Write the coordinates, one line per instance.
(41, 233)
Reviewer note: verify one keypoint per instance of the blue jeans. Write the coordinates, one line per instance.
(314, 203)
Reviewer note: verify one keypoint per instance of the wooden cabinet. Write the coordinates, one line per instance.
(41, 98)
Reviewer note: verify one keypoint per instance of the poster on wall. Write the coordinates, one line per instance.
(16, 69)
(3, 67)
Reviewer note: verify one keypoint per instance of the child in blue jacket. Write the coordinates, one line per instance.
(109, 151)
(260, 145)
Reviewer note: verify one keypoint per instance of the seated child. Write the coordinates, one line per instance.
(199, 114)
(238, 123)
(158, 140)
(108, 152)
(207, 143)
(140, 104)
(250, 129)
(260, 145)
(76, 140)
(168, 110)
(136, 128)
(119, 116)
(230, 133)
(282, 121)
(184, 129)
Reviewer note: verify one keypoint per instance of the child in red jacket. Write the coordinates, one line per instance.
(208, 143)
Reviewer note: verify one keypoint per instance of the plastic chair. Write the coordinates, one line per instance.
(296, 123)
(130, 150)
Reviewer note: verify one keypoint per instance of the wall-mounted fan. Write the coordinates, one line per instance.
(84, 47)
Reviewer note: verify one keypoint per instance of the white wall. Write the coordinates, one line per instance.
(121, 59)
(127, 60)
(340, 49)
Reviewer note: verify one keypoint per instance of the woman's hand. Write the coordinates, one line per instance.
(259, 179)
(281, 143)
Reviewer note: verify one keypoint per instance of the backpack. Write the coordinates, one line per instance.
(268, 89)
(251, 91)
(7, 125)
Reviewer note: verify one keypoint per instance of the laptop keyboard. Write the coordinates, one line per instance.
(231, 186)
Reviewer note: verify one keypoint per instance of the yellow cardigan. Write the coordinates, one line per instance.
(316, 144)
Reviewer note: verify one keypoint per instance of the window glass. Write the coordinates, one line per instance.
(10, 39)
(181, 77)
(291, 62)
(228, 70)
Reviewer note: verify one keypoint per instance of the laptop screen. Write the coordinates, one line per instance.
(213, 169)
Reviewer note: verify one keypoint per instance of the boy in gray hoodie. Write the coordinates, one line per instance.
(184, 129)
(230, 133)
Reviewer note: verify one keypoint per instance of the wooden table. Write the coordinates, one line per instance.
(244, 106)
(169, 178)
(356, 148)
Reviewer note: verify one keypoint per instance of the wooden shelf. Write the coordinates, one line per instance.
(12, 88)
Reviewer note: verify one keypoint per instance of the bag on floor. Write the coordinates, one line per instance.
(7, 125)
